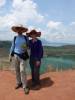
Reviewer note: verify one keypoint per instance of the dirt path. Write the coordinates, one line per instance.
(55, 86)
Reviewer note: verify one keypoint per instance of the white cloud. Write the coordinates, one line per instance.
(17, 3)
(59, 32)
(55, 31)
(7, 20)
(2, 2)
(72, 23)
(22, 12)
(25, 10)
(53, 24)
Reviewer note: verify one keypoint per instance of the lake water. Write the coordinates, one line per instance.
(55, 64)
(50, 64)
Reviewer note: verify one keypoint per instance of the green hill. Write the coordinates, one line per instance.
(4, 48)
(60, 51)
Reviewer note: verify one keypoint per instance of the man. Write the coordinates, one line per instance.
(18, 49)
(36, 53)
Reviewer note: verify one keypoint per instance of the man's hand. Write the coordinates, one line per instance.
(10, 58)
(37, 63)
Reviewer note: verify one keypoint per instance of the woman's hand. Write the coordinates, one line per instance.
(37, 63)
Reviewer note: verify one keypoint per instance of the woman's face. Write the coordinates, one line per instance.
(33, 36)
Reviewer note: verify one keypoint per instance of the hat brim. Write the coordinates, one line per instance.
(37, 34)
(19, 29)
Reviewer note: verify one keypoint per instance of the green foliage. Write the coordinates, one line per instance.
(67, 51)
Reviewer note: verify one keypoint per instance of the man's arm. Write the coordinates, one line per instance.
(11, 50)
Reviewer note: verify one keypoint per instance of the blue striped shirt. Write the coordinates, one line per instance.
(19, 46)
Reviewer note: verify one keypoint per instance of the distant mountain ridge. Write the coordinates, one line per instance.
(44, 42)
(48, 43)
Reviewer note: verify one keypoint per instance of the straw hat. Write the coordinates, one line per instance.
(19, 29)
(38, 34)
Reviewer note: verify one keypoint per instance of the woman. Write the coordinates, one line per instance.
(18, 48)
(36, 53)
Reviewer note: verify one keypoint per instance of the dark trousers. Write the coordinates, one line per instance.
(35, 71)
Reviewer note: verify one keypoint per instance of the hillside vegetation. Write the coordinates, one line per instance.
(66, 51)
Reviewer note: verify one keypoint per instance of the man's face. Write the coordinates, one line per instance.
(19, 33)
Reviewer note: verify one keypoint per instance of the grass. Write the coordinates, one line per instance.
(4, 63)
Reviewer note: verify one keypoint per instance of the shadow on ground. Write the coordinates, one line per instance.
(45, 82)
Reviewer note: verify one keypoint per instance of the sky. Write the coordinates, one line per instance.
(54, 18)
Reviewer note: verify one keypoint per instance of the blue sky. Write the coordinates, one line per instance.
(54, 18)
(58, 10)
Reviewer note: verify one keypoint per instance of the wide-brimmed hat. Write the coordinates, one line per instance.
(38, 34)
(19, 29)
